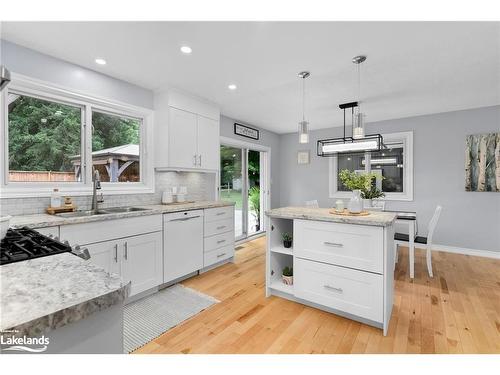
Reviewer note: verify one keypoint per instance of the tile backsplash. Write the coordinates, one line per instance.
(200, 186)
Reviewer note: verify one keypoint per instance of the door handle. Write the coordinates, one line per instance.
(329, 287)
(185, 218)
(334, 244)
(116, 253)
(126, 250)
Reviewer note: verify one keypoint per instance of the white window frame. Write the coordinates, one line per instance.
(48, 91)
(407, 195)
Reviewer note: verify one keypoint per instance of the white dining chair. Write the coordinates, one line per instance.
(312, 204)
(403, 239)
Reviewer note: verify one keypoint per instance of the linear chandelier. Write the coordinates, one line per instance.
(358, 142)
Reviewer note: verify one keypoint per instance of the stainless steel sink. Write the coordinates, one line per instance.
(83, 213)
(103, 211)
(114, 210)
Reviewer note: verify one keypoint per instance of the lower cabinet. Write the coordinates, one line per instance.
(137, 259)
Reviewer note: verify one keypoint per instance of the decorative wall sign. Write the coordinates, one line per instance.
(303, 157)
(246, 131)
(482, 162)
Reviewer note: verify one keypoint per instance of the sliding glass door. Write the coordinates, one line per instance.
(241, 183)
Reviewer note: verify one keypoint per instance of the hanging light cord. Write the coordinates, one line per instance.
(303, 99)
(359, 86)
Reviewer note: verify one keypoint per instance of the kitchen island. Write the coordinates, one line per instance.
(342, 264)
(76, 305)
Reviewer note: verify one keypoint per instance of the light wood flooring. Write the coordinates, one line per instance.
(457, 311)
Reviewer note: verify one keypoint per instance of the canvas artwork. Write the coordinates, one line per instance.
(482, 162)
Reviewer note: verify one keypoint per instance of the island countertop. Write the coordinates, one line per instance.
(40, 295)
(45, 220)
(375, 218)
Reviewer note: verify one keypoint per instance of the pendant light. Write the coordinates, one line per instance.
(304, 125)
(358, 130)
(358, 142)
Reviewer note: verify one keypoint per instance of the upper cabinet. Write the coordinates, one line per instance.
(186, 133)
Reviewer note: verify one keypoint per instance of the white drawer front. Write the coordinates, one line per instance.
(218, 227)
(219, 213)
(217, 255)
(104, 230)
(218, 241)
(355, 246)
(355, 292)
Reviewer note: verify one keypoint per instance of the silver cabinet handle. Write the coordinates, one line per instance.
(221, 241)
(221, 255)
(116, 253)
(195, 160)
(329, 287)
(220, 213)
(221, 227)
(200, 160)
(334, 244)
(126, 250)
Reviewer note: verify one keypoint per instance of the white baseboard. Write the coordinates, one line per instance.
(466, 251)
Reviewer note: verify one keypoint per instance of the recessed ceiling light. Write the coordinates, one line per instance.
(186, 49)
(232, 86)
(100, 61)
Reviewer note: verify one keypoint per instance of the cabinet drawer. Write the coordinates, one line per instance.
(218, 241)
(355, 292)
(111, 229)
(218, 227)
(219, 213)
(217, 255)
(355, 246)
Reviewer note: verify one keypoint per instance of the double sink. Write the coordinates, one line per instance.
(102, 211)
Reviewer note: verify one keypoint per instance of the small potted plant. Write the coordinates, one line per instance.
(287, 240)
(369, 194)
(287, 275)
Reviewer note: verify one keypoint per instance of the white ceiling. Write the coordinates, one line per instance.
(413, 68)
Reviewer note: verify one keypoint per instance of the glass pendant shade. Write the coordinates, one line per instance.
(303, 132)
(358, 130)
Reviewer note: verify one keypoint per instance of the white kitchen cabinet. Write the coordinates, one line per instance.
(186, 133)
(183, 138)
(208, 143)
(106, 255)
(137, 259)
(141, 261)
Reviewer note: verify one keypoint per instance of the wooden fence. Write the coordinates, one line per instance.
(41, 176)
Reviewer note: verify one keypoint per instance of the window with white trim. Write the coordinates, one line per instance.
(48, 144)
(394, 163)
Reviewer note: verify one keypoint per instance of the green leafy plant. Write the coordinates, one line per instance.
(254, 202)
(361, 181)
(288, 271)
(287, 237)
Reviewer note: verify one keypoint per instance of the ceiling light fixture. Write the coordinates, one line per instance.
(358, 142)
(303, 125)
(186, 50)
(359, 119)
(232, 86)
(100, 61)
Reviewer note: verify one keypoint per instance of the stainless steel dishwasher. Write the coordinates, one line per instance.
(182, 243)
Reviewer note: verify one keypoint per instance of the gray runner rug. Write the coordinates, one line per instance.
(146, 319)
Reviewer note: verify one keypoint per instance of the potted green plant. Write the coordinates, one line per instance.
(287, 275)
(362, 187)
(369, 194)
(287, 240)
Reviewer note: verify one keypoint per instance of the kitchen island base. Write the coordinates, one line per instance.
(340, 267)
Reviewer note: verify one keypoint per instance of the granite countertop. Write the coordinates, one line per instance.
(45, 220)
(46, 293)
(375, 218)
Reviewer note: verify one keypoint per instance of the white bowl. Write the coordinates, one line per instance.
(4, 225)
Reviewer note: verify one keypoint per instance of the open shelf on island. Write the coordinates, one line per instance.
(282, 250)
(278, 285)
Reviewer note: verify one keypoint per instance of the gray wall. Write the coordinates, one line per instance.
(266, 138)
(37, 65)
(468, 219)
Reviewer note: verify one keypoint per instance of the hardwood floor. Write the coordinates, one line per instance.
(457, 311)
